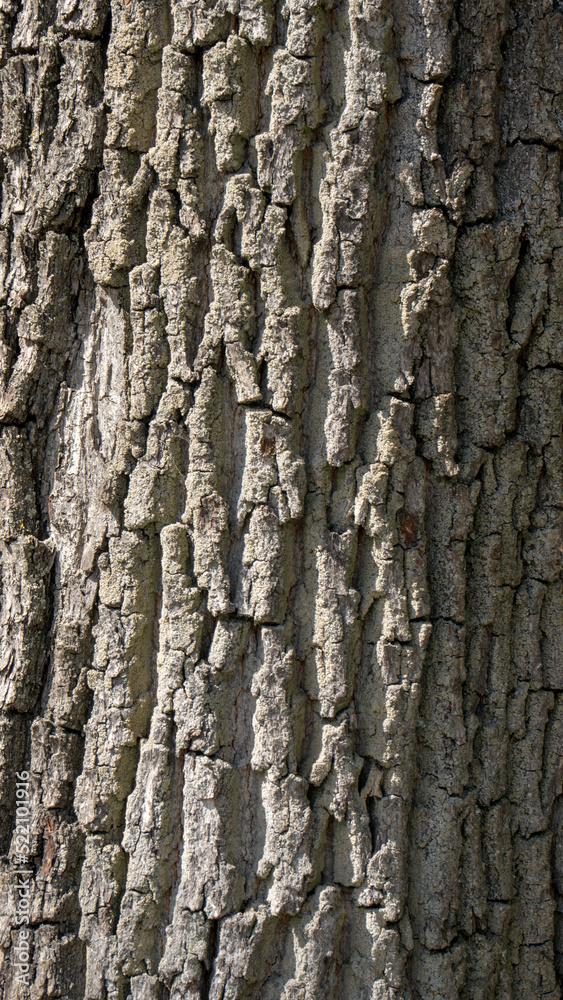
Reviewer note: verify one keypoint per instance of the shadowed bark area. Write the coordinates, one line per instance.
(281, 481)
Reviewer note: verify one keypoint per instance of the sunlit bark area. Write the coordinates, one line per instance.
(281, 481)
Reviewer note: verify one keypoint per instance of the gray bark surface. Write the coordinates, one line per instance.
(281, 481)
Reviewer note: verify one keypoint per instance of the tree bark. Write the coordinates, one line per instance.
(281, 638)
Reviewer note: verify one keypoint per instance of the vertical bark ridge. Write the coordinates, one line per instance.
(280, 462)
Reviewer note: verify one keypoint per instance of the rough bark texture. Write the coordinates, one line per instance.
(281, 487)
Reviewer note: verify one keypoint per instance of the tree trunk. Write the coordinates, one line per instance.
(281, 665)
